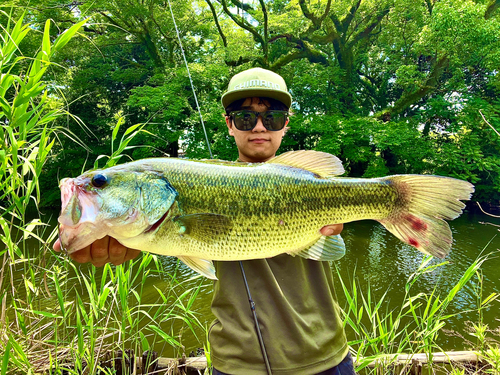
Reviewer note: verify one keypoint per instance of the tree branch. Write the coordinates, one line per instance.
(145, 37)
(89, 30)
(492, 8)
(151, 15)
(430, 6)
(327, 11)
(308, 14)
(216, 19)
(242, 23)
(141, 31)
(304, 50)
(368, 83)
(285, 59)
(336, 22)
(367, 31)
(316, 21)
(238, 62)
(266, 35)
(429, 86)
(114, 22)
(243, 6)
(344, 25)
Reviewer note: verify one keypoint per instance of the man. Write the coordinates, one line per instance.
(294, 297)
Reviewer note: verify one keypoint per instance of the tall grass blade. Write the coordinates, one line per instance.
(6, 357)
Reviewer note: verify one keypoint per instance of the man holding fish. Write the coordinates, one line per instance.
(298, 315)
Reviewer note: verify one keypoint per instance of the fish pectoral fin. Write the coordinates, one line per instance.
(326, 248)
(202, 266)
(204, 227)
(321, 163)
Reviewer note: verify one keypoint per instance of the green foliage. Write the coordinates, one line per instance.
(492, 357)
(167, 110)
(26, 116)
(107, 303)
(89, 314)
(389, 87)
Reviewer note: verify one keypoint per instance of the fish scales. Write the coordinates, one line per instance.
(201, 211)
(254, 190)
(263, 197)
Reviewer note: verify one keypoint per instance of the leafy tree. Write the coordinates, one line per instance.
(391, 86)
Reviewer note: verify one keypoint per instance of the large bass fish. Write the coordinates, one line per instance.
(201, 211)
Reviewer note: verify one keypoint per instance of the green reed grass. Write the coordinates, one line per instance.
(91, 312)
(414, 327)
(26, 133)
(63, 317)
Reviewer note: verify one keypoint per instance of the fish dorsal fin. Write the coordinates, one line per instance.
(202, 266)
(321, 163)
(326, 248)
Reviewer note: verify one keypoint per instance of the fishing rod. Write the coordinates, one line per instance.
(250, 300)
(257, 327)
(190, 79)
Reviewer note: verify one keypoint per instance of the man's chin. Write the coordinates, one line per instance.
(258, 156)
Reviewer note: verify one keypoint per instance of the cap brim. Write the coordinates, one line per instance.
(232, 96)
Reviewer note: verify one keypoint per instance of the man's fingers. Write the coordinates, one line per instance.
(131, 254)
(81, 256)
(105, 250)
(99, 252)
(117, 252)
(57, 245)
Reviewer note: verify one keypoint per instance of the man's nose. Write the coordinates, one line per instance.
(260, 125)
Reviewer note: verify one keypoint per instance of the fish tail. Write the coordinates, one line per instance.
(423, 203)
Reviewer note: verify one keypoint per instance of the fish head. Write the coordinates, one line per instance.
(116, 201)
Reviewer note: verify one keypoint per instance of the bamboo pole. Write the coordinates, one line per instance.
(415, 364)
(423, 358)
(414, 361)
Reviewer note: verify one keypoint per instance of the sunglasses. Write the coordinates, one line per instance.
(247, 120)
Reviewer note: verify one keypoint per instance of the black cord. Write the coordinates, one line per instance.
(257, 326)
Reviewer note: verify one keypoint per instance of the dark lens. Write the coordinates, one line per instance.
(274, 120)
(244, 120)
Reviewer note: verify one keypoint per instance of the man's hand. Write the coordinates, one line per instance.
(105, 250)
(331, 230)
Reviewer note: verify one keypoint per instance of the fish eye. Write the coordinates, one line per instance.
(99, 180)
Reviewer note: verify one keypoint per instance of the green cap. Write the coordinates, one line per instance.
(257, 82)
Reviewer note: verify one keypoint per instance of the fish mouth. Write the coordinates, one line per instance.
(74, 238)
(70, 205)
(77, 205)
(77, 227)
(64, 248)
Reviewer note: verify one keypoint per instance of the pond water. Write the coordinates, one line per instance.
(379, 261)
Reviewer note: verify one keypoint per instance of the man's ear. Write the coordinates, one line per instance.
(285, 129)
(229, 124)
